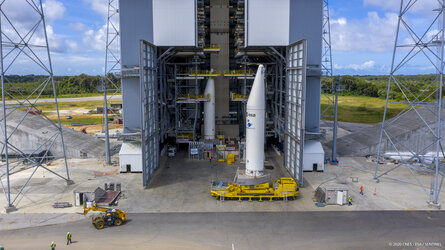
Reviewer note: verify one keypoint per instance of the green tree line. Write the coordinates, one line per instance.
(377, 86)
(34, 84)
(372, 86)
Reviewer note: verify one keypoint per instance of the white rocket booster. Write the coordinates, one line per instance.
(256, 106)
(209, 111)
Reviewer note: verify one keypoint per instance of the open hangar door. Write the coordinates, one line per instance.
(149, 122)
(295, 109)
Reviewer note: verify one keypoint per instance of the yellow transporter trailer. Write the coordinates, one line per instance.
(282, 189)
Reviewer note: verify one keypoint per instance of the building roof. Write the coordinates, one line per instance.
(313, 147)
(131, 148)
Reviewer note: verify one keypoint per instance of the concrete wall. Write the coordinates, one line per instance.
(134, 160)
(33, 132)
(408, 130)
(136, 23)
(219, 34)
(306, 18)
(312, 158)
(415, 140)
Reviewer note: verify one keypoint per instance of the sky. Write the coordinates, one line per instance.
(362, 31)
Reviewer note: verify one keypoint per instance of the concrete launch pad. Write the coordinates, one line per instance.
(182, 185)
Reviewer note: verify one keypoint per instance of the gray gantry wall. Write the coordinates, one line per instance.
(306, 23)
(136, 23)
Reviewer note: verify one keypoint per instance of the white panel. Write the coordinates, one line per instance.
(174, 22)
(340, 197)
(295, 94)
(268, 22)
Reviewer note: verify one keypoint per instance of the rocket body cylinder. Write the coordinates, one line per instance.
(209, 111)
(255, 126)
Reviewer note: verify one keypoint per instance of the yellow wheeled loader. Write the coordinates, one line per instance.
(109, 217)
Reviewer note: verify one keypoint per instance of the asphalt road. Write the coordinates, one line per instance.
(72, 99)
(286, 230)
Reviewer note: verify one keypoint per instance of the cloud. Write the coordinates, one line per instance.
(99, 6)
(77, 26)
(23, 17)
(371, 34)
(53, 10)
(357, 67)
(95, 39)
(340, 21)
(72, 45)
(421, 6)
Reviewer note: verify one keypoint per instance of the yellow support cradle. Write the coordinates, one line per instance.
(283, 189)
(230, 159)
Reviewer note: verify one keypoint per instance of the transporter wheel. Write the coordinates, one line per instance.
(118, 222)
(99, 224)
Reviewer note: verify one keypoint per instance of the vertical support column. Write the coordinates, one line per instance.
(5, 127)
(107, 131)
(335, 129)
(112, 66)
(51, 74)
(437, 187)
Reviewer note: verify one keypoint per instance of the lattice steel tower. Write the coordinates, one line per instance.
(24, 48)
(329, 87)
(112, 75)
(423, 112)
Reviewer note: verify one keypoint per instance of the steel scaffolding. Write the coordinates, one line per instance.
(112, 74)
(25, 46)
(416, 45)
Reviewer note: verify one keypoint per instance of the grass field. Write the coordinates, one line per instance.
(357, 109)
(89, 119)
(73, 105)
(362, 109)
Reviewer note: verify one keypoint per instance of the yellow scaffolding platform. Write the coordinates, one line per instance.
(204, 73)
(212, 48)
(184, 137)
(186, 98)
(238, 97)
(238, 73)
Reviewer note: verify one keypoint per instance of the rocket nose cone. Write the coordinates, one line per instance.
(210, 87)
(260, 71)
(257, 93)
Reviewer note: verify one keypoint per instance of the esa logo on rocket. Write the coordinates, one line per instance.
(250, 120)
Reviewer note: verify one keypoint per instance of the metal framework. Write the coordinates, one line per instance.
(165, 76)
(187, 110)
(295, 109)
(414, 46)
(26, 47)
(112, 74)
(150, 110)
(329, 87)
(278, 86)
